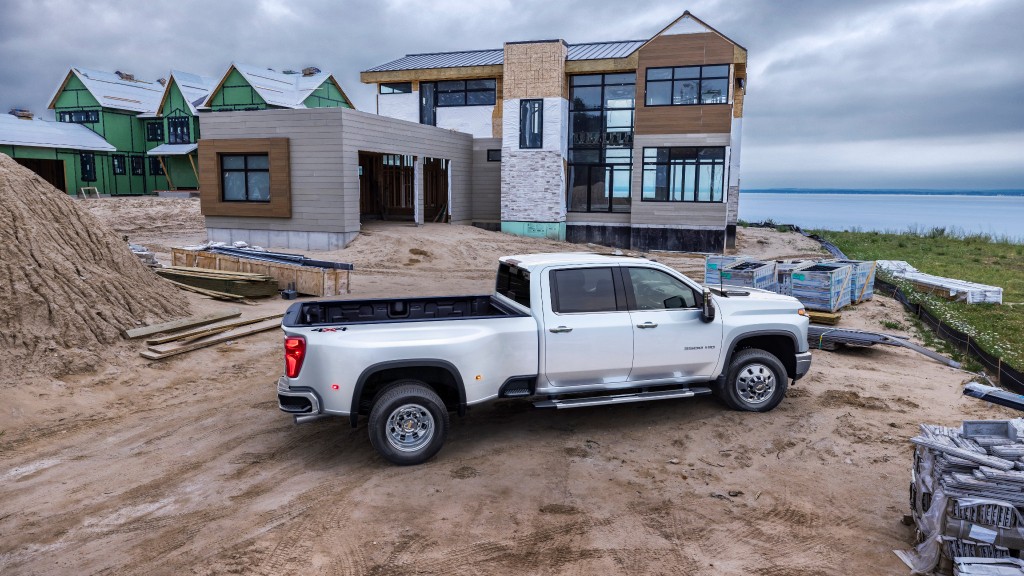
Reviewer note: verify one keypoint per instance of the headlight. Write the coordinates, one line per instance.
(802, 312)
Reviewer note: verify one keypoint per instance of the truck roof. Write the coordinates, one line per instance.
(530, 261)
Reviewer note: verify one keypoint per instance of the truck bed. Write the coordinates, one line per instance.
(331, 312)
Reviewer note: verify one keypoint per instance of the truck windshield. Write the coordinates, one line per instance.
(514, 284)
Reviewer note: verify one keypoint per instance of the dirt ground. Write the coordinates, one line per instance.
(186, 466)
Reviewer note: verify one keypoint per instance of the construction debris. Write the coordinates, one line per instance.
(966, 495)
(824, 338)
(995, 395)
(144, 255)
(188, 344)
(303, 273)
(223, 283)
(948, 288)
(181, 324)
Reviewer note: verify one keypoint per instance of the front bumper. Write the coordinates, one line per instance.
(803, 364)
(298, 401)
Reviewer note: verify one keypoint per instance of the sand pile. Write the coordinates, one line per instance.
(68, 283)
(148, 214)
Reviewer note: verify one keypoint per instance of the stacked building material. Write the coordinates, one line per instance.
(784, 274)
(237, 284)
(949, 288)
(305, 275)
(862, 284)
(824, 286)
(967, 495)
(714, 264)
(750, 273)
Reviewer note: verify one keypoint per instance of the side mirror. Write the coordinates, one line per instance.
(708, 313)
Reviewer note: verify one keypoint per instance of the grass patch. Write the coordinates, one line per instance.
(893, 325)
(973, 257)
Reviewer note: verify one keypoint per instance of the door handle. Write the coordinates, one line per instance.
(560, 329)
(647, 325)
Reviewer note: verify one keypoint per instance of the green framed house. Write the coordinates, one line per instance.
(179, 125)
(245, 87)
(67, 155)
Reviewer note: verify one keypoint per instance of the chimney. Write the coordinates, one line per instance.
(125, 76)
(162, 81)
(311, 71)
(21, 113)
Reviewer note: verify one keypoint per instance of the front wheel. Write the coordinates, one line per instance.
(408, 423)
(757, 381)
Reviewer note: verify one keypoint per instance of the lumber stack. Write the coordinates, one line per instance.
(182, 336)
(220, 282)
(967, 495)
(308, 276)
(949, 288)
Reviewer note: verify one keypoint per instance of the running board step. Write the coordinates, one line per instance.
(623, 398)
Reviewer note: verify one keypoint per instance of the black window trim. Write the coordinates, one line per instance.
(90, 116)
(87, 158)
(114, 158)
(245, 170)
(698, 295)
(522, 133)
(618, 285)
(699, 80)
(142, 165)
(152, 126)
(380, 88)
(465, 91)
(154, 163)
(643, 168)
(491, 155)
(170, 133)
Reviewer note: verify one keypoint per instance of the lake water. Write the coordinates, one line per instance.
(995, 215)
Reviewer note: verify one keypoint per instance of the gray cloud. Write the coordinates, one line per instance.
(877, 93)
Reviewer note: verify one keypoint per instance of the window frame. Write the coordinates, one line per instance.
(699, 79)
(155, 167)
(671, 174)
(244, 170)
(87, 159)
(618, 290)
(505, 273)
(155, 131)
(610, 164)
(539, 102)
(391, 88)
(114, 160)
(494, 154)
(630, 289)
(465, 90)
(185, 130)
(88, 116)
(139, 161)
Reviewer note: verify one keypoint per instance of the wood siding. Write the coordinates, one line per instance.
(682, 50)
(210, 184)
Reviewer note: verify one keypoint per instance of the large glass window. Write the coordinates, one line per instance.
(688, 85)
(118, 161)
(583, 290)
(245, 178)
(656, 290)
(155, 167)
(531, 124)
(137, 166)
(178, 128)
(514, 283)
(466, 93)
(600, 142)
(88, 162)
(396, 88)
(80, 116)
(154, 131)
(683, 175)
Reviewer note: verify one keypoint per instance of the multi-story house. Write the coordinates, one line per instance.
(628, 143)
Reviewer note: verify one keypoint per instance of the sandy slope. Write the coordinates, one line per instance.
(187, 467)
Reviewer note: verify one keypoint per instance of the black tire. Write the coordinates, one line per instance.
(408, 423)
(756, 381)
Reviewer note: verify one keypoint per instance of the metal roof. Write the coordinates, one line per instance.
(194, 88)
(277, 88)
(113, 92)
(172, 149)
(586, 51)
(45, 134)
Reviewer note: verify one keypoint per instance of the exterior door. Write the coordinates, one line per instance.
(588, 333)
(669, 338)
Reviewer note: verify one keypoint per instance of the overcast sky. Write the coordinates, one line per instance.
(872, 93)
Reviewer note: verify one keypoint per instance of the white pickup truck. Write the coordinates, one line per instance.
(567, 330)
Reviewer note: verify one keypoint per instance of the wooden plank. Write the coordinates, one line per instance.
(824, 317)
(210, 330)
(212, 340)
(307, 280)
(211, 293)
(182, 324)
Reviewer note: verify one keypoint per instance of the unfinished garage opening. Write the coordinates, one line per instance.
(386, 186)
(435, 189)
(50, 170)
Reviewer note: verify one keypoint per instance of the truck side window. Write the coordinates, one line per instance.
(583, 290)
(656, 290)
(514, 284)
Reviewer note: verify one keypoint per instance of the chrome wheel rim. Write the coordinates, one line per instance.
(755, 383)
(410, 427)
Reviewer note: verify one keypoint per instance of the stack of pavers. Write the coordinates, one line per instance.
(967, 494)
(862, 283)
(751, 274)
(784, 274)
(824, 286)
(714, 264)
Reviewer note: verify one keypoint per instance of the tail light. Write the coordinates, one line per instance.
(294, 352)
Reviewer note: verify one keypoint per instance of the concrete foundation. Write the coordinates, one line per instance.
(283, 238)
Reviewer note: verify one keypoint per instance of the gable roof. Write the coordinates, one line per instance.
(687, 16)
(584, 51)
(277, 88)
(111, 91)
(45, 134)
(193, 87)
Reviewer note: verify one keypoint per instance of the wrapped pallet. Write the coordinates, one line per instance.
(751, 274)
(714, 264)
(862, 284)
(784, 274)
(823, 286)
